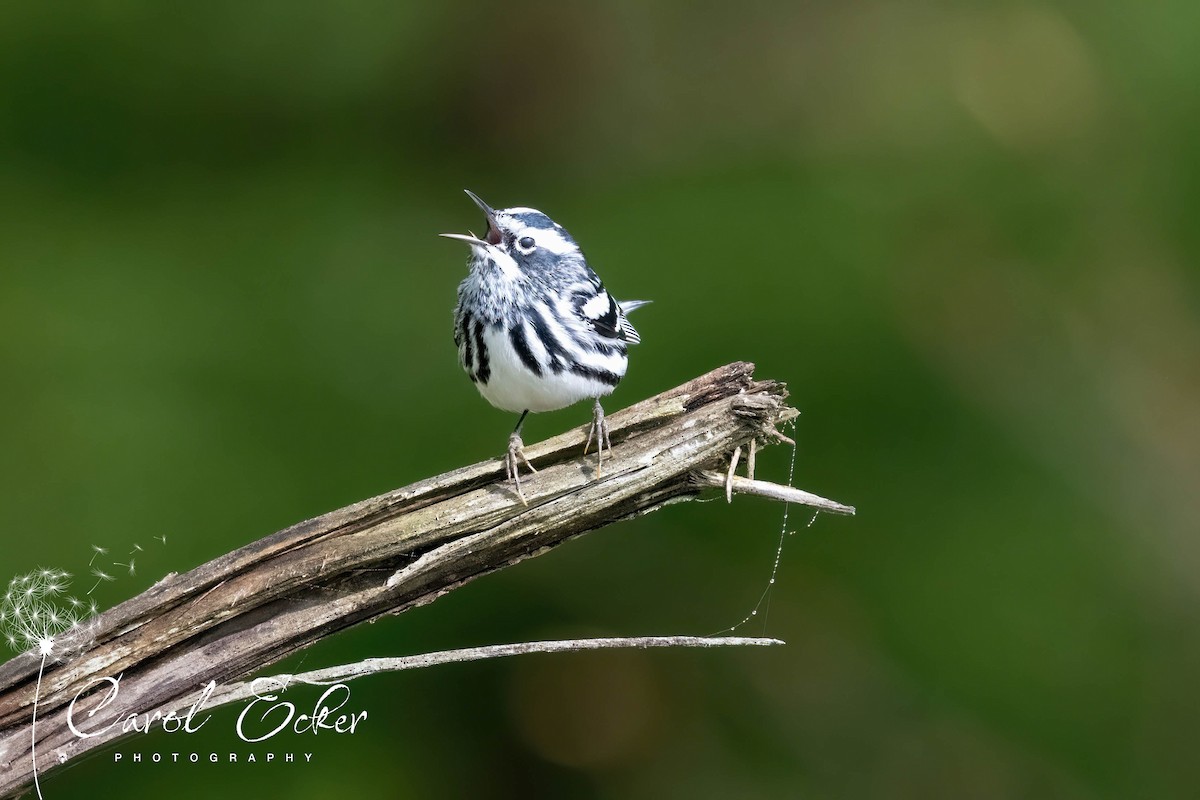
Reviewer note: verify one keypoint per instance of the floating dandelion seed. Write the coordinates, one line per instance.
(137, 548)
(101, 576)
(131, 566)
(97, 550)
(162, 539)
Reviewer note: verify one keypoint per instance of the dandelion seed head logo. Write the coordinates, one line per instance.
(35, 610)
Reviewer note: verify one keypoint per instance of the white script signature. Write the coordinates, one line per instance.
(273, 715)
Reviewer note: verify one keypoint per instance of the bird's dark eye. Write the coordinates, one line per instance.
(526, 242)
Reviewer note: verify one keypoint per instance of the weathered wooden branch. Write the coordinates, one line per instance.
(247, 609)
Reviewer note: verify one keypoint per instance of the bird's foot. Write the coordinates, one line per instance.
(599, 429)
(513, 460)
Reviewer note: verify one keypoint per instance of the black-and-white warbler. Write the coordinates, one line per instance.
(535, 328)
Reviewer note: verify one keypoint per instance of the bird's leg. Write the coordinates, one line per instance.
(599, 429)
(515, 457)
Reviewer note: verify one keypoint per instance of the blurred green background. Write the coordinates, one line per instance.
(964, 233)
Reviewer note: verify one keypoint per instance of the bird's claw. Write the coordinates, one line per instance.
(599, 429)
(513, 459)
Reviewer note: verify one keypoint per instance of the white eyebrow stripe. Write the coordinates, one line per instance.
(552, 240)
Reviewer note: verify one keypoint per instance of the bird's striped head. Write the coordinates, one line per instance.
(521, 238)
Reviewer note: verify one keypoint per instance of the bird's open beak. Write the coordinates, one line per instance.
(469, 238)
(493, 234)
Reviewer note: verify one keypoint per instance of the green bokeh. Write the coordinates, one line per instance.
(964, 234)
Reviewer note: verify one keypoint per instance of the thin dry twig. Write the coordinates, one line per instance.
(732, 472)
(245, 690)
(736, 484)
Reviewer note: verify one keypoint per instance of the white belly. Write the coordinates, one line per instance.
(513, 387)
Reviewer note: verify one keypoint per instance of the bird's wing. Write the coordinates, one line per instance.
(598, 308)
